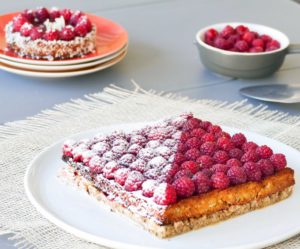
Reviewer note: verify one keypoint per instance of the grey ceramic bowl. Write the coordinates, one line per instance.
(244, 65)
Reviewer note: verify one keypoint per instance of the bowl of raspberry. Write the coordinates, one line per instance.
(243, 50)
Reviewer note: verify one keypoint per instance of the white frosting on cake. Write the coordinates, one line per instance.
(58, 24)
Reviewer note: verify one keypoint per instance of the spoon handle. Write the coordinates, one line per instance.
(293, 49)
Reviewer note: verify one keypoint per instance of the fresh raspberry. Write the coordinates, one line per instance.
(220, 168)
(266, 38)
(75, 17)
(193, 143)
(237, 175)
(184, 137)
(220, 156)
(202, 182)
(236, 153)
(250, 156)
(191, 165)
(139, 165)
(191, 124)
(179, 158)
(274, 44)
(264, 151)
(208, 137)
(67, 34)
(224, 143)
(18, 22)
(164, 194)
(208, 148)
(109, 169)
(127, 159)
(54, 13)
(138, 139)
(266, 167)
(220, 180)
(134, 181)
(157, 134)
(36, 33)
(249, 37)
(222, 134)
(181, 147)
(220, 43)
(121, 175)
(253, 171)
(26, 29)
(183, 172)
(256, 50)
(204, 125)
(66, 13)
(41, 15)
(233, 39)
(100, 148)
(199, 132)
(134, 149)
(28, 14)
(86, 156)
(241, 46)
(148, 187)
(271, 48)
(238, 139)
(214, 129)
(192, 154)
(205, 161)
(210, 35)
(157, 162)
(184, 187)
(170, 143)
(279, 161)
(146, 154)
(81, 29)
(227, 31)
(233, 162)
(51, 35)
(241, 29)
(207, 172)
(258, 43)
(96, 164)
(168, 173)
(249, 146)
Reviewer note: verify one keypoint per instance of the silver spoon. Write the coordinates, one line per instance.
(273, 93)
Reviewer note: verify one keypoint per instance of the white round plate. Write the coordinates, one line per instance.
(62, 67)
(63, 74)
(81, 215)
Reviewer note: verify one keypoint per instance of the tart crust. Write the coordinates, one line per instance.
(198, 211)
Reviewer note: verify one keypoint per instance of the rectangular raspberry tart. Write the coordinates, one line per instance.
(177, 175)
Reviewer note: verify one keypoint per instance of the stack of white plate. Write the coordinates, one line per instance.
(111, 47)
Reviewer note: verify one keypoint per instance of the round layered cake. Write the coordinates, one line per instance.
(50, 34)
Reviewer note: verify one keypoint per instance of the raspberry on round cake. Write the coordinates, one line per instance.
(50, 34)
(178, 174)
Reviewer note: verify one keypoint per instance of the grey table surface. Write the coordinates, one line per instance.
(161, 54)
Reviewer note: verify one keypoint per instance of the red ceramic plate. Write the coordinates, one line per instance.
(111, 38)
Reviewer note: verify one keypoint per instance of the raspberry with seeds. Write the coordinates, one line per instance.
(191, 124)
(220, 180)
(134, 181)
(249, 146)
(208, 148)
(66, 13)
(253, 171)
(165, 194)
(51, 35)
(198, 132)
(53, 14)
(134, 149)
(183, 172)
(219, 167)
(96, 164)
(205, 161)
(214, 129)
(202, 182)
(222, 134)
(67, 34)
(121, 175)
(204, 125)
(148, 187)
(41, 15)
(237, 175)
(191, 165)
(236, 153)
(36, 33)
(181, 147)
(224, 143)
(75, 17)
(207, 172)
(279, 161)
(26, 29)
(138, 139)
(179, 158)
(238, 139)
(184, 137)
(193, 143)
(146, 153)
(139, 165)
(109, 169)
(266, 167)
(192, 154)
(184, 187)
(220, 156)
(28, 15)
(264, 151)
(208, 137)
(250, 156)
(233, 162)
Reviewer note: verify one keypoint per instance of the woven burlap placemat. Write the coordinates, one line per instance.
(20, 141)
